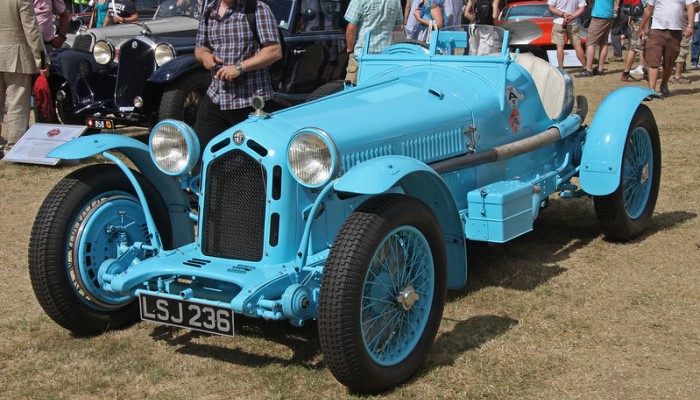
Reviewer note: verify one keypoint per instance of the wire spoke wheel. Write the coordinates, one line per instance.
(624, 214)
(636, 170)
(397, 288)
(382, 293)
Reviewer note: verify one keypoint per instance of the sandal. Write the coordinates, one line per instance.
(584, 74)
(682, 80)
(626, 77)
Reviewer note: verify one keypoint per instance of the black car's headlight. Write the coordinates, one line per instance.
(174, 147)
(164, 53)
(103, 52)
(312, 157)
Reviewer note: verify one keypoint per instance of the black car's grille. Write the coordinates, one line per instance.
(233, 224)
(82, 42)
(136, 65)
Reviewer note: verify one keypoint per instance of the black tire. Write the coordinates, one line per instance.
(182, 98)
(65, 252)
(325, 90)
(65, 112)
(357, 348)
(624, 214)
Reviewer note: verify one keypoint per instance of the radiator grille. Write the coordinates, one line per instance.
(83, 43)
(234, 208)
(136, 65)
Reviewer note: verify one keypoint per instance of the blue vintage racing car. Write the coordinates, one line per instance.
(353, 210)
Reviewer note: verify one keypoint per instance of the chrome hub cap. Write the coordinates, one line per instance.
(407, 297)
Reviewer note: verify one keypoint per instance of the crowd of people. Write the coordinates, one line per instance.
(659, 33)
(239, 51)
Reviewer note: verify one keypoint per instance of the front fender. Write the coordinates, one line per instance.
(137, 152)
(378, 175)
(175, 68)
(88, 146)
(601, 162)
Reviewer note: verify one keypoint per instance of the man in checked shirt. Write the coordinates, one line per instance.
(227, 46)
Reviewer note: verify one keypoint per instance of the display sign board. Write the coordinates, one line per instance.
(39, 140)
(570, 59)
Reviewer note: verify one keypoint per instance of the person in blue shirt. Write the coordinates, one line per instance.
(602, 18)
(99, 14)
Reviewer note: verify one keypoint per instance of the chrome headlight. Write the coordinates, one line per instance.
(174, 147)
(164, 53)
(312, 157)
(103, 52)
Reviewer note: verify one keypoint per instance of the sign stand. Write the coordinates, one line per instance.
(35, 145)
(570, 59)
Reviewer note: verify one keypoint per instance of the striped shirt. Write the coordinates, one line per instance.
(231, 39)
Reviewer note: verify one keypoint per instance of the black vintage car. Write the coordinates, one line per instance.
(154, 76)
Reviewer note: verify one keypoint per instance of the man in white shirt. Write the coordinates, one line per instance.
(664, 40)
(566, 24)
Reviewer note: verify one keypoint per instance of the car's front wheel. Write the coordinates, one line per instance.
(65, 111)
(625, 213)
(90, 216)
(382, 293)
(181, 98)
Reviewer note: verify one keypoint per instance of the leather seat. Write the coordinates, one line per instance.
(552, 85)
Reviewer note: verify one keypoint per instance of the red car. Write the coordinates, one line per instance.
(530, 26)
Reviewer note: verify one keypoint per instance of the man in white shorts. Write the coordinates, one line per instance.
(566, 24)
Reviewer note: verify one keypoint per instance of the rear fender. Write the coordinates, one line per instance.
(174, 69)
(601, 162)
(379, 175)
(137, 152)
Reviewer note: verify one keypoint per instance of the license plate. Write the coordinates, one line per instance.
(99, 123)
(186, 314)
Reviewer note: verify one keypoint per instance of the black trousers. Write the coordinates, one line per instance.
(212, 120)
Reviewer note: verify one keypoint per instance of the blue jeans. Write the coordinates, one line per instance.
(695, 46)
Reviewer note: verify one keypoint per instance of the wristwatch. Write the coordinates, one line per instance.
(239, 67)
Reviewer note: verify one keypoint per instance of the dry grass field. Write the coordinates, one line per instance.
(560, 313)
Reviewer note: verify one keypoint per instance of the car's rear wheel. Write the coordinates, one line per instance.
(625, 213)
(91, 215)
(181, 98)
(382, 293)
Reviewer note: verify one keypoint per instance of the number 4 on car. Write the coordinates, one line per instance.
(352, 209)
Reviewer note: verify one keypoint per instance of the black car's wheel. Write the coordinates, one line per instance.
(90, 216)
(625, 213)
(181, 98)
(382, 293)
(64, 108)
(325, 90)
